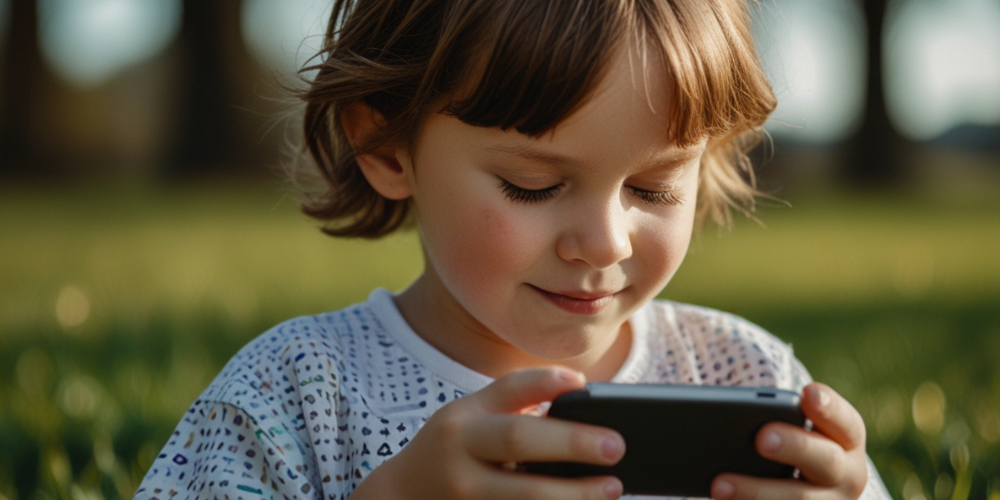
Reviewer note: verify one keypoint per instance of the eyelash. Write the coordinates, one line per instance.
(521, 195)
(667, 198)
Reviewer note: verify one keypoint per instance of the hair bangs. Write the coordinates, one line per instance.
(527, 65)
(719, 89)
(538, 62)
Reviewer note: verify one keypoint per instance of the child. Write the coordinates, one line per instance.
(555, 156)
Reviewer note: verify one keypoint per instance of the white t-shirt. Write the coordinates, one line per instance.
(312, 406)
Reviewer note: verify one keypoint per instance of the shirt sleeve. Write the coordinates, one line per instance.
(219, 451)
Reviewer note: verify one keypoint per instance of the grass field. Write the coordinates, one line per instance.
(118, 305)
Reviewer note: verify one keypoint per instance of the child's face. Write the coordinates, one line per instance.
(556, 271)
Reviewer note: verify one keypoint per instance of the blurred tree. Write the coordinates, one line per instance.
(48, 127)
(24, 80)
(212, 100)
(874, 154)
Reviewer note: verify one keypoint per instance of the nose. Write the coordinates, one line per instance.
(599, 237)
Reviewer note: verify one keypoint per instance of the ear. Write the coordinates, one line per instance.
(382, 167)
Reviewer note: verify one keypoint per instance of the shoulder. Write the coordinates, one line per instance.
(257, 428)
(315, 347)
(722, 348)
(709, 324)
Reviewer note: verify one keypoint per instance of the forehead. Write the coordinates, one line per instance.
(626, 122)
(632, 99)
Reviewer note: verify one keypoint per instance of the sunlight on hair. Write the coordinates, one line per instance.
(284, 35)
(928, 408)
(941, 66)
(87, 42)
(72, 307)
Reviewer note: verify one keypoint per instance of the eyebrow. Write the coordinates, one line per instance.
(526, 152)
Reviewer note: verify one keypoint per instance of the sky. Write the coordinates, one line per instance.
(942, 57)
(284, 35)
(813, 52)
(943, 63)
(87, 42)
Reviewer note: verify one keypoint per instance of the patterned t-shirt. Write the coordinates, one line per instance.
(308, 409)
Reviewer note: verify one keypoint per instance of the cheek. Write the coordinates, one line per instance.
(487, 251)
(664, 247)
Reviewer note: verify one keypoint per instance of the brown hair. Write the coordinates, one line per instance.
(526, 64)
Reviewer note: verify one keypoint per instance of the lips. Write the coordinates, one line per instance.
(578, 302)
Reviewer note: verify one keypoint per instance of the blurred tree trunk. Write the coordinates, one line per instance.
(875, 154)
(23, 81)
(209, 139)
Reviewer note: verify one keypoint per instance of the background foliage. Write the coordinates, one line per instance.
(118, 305)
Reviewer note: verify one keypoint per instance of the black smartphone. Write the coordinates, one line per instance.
(677, 437)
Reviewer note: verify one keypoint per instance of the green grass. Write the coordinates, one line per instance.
(118, 305)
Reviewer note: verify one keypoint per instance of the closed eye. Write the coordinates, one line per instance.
(519, 194)
(668, 197)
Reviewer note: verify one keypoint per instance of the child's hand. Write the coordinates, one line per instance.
(831, 458)
(462, 450)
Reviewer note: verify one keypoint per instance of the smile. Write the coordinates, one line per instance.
(582, 303)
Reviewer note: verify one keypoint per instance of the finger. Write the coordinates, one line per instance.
(833, 416)
(527, 388)
(521, 438)
(820, 460)
(738, 487)
(518, 486)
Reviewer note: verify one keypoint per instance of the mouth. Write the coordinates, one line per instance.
(577, 301)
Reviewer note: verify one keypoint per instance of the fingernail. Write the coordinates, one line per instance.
(611, 447)
(819, 396)
(613, 489)
(723, 490)
(771, 442)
